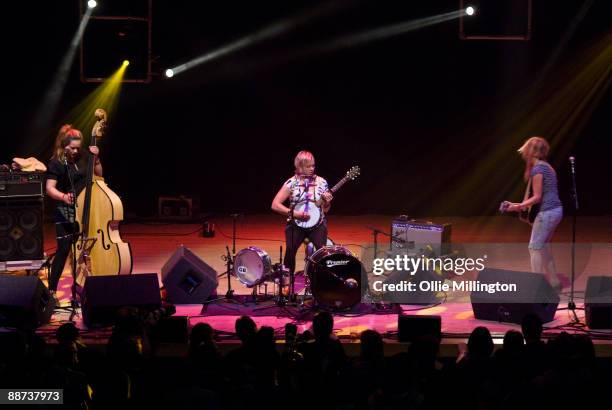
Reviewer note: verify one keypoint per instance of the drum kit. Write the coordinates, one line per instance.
(332, 274)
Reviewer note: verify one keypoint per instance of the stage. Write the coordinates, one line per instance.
(152, 244)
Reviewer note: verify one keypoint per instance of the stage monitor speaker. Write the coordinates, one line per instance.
(533, 295)
(21, 229)
(103, 296)
(25, 302)
(187, 278)
(598, 302)
(411, 327)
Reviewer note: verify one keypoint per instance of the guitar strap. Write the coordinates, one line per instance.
(527, 190)
(525, 217)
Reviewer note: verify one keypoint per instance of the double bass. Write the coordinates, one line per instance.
(99, 212)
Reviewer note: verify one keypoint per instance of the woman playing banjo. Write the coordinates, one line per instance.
(309, 199)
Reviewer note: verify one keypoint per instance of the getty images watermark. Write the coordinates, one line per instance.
(411, 265)
(490, 272)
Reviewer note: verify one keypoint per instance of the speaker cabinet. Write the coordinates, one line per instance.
(103, 296)
(418, 237)
(533, 295)
(187, 278)
(24, 302)
(598, 302)
(411, 327)
(21, 229)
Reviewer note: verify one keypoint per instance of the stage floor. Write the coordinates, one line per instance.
(152, 243)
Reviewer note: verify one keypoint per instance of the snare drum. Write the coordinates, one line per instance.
(335, 276)
(252, 266)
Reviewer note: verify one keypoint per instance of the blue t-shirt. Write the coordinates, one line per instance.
(550, 192)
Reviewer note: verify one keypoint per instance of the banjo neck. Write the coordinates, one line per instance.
(340, 184)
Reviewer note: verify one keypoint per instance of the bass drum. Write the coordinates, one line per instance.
(335, 276)
(252, 266)
(310, 248)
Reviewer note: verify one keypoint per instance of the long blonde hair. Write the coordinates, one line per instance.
(534, 149)
(65, 136)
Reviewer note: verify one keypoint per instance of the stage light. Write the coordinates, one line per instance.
(106, 95)
(92, 3)
(470, 11)
(126, 62)
(169, 73)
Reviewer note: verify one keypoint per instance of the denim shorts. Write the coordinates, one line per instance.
(544, 227)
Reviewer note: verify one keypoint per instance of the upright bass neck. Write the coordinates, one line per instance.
(97, 131)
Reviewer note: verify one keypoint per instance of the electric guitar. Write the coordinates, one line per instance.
(528, 215)
(310, 207)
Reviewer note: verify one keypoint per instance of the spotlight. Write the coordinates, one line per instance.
(126, 62)
(470, 10)
(169, 73)
(92, 3)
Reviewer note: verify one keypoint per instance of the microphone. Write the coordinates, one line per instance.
(574, 193)
(572, 161)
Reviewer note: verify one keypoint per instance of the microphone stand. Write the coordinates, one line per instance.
(229, 264)
(292, 297)
(574, 193)
(280, 301)
(375, 231)
(74, 235)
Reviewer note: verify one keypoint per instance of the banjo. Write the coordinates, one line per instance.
(308, 205)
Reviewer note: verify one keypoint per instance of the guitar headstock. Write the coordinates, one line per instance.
(353, 172)
(99, 128)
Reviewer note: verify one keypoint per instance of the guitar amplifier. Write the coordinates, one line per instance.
(420, 237)
(21, 184)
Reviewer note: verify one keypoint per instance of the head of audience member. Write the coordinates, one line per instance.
(266, 335)
(372, 347)
(201, 334)
(480, 343)
(513, 342)
(323, 325)
(246, 329)
(67, 333)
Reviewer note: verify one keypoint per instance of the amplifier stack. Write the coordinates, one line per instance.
(21, 220)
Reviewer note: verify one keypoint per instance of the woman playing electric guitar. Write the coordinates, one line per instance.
(542, 182)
